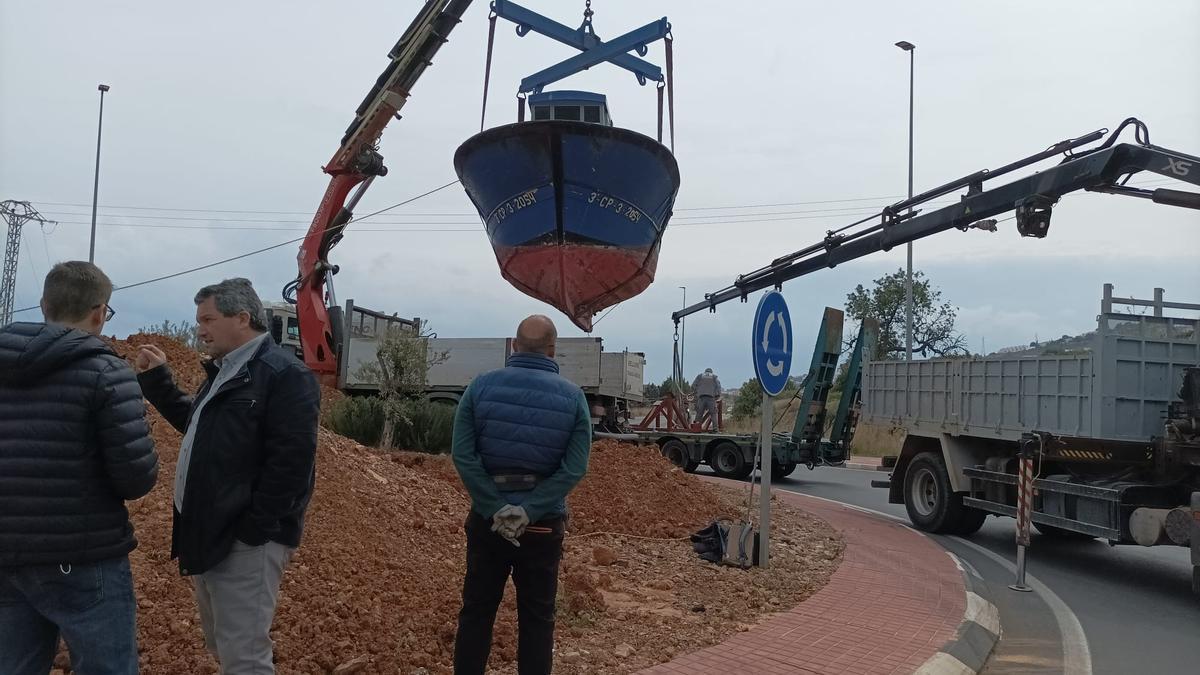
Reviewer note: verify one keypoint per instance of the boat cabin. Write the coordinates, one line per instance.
(577, 106)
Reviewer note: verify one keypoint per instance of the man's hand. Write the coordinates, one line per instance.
(149, 357)
(514, 522)
(510, 522)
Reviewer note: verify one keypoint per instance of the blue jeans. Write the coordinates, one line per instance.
(91, 605)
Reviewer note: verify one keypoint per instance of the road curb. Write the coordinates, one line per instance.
(977, 635)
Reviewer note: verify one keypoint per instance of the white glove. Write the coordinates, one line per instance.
(503, 522)
(514, 522)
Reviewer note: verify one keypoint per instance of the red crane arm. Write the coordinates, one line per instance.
(356, 163)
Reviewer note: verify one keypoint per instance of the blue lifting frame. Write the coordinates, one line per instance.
(594, 50)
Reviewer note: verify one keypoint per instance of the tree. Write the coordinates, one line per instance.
(668, 387)
(185, 332)
(933, 320)
(748, 401)
(402, 362)
(651, 392)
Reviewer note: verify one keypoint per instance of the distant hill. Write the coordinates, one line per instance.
(1065, 345)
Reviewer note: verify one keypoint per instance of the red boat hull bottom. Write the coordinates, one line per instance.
(576, 278)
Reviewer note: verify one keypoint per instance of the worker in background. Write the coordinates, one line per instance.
(522, 435)
(707, 389)
(245, 471)
(74, 446)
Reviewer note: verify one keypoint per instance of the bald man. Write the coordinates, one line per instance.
(521, 440)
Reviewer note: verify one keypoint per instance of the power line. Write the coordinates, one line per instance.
(257, 251)
(457, 214)
(235, 228)
(1153, 182)
(729, 219)
(446, 215)
(442, 187)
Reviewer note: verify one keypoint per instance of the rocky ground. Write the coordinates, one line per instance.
(374, 588)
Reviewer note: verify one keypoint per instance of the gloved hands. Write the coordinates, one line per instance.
(510, 522)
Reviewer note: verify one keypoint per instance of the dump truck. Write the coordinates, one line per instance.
(1113, 429)
(612, 381)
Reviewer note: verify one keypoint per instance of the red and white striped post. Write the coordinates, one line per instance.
(1024, 507)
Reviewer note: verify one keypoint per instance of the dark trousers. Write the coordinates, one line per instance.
(90, 605)
(534, 569)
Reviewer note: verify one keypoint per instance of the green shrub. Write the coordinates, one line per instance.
(423, 426)
(748, 402)
(357, 417)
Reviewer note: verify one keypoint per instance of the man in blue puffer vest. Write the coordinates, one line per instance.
(521, 440)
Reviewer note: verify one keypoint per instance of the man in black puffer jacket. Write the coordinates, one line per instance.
(74, 447)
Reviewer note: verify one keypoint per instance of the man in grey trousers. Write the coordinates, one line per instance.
(245, 471)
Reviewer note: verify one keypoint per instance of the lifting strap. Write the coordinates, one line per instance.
(677, 380)
(670, 88)
(677, 367)
(487, 68)
(660, 111)
(520, 108)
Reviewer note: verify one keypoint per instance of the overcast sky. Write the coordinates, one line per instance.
(221, 115)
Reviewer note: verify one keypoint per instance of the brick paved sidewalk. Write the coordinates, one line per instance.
(896, 599)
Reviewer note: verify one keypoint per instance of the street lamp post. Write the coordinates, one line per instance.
(96, 183)
(908, 279)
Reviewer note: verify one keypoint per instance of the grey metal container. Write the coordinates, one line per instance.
(1117, 389)
(621, 375)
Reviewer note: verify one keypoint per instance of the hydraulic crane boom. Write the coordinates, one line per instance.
(1098, 169)
(356, 163)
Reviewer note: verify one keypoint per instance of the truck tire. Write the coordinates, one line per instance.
(782, 470)
(970, 521)
(931, 502)
(727, 461)
(676, 453)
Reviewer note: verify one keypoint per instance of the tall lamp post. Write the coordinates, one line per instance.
(96, 183)
(908, 279)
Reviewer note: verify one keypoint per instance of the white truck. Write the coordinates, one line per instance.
(1113, 431)
(612, 381)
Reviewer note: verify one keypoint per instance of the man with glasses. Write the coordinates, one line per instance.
(74, 446)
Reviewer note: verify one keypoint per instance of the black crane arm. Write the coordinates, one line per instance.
(1105, 168)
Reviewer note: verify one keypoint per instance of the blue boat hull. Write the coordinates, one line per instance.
(575, 211)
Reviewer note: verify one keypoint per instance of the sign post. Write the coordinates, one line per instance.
(1024, 506)
(771, 345)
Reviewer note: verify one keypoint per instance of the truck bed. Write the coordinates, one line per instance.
(1118, 389)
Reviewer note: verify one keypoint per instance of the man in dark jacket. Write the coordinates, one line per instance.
(74, 447)
(522, 435)
(707, 389)
(245, 471)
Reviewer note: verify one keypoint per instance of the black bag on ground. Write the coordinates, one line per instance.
(710, 542)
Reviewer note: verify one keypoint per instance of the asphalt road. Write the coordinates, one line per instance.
(1123, 609)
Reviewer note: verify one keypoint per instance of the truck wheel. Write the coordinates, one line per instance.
(970, 520)
(1051, 532)
(676, 453)
(931, 503)
(782, 470)
(727, 461)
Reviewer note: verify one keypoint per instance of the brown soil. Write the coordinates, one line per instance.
(374, 588)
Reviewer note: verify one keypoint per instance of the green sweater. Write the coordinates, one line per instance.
(486, 498)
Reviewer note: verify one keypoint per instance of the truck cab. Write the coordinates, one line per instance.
(283, 326)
